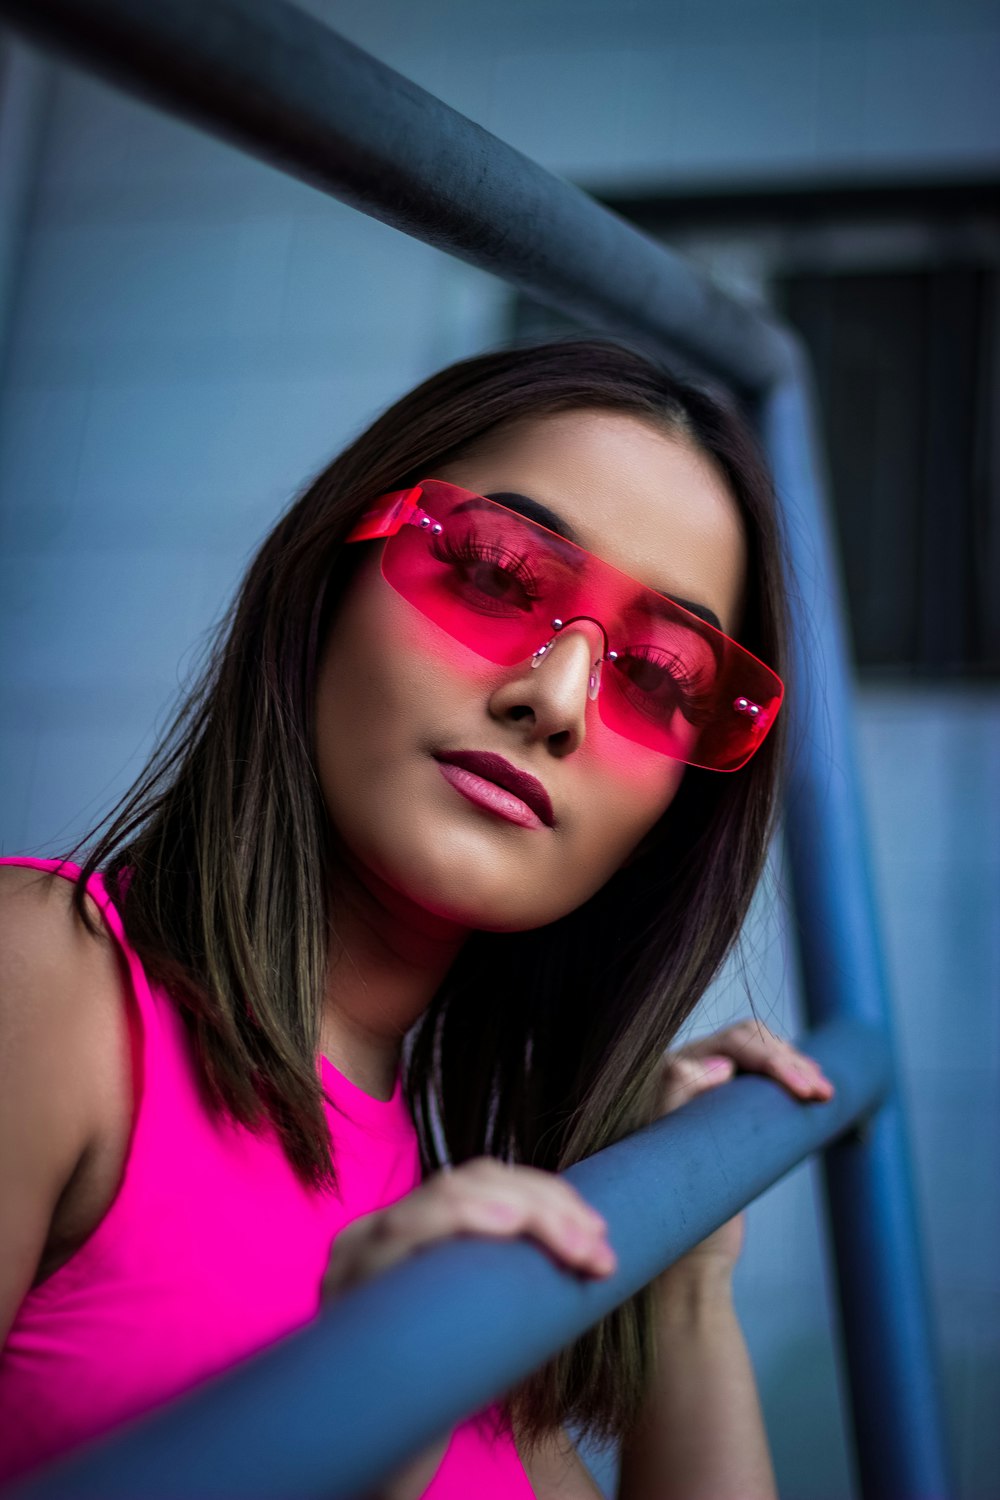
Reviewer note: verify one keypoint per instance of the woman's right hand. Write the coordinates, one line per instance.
(482, 1197)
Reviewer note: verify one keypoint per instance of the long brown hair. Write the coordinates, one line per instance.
(540, 1047)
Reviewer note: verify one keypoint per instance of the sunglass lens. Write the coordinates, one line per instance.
(495, 581)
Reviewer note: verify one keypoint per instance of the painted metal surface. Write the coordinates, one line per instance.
(443, 1333)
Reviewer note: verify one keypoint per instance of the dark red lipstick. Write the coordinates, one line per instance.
(494, 768)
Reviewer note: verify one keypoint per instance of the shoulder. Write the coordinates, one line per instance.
(56, 975)
(65, 1083)
(37, 894)
(62, 1016)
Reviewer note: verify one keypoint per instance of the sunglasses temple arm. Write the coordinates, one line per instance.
(393, 512)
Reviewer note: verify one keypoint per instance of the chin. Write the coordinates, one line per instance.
(468, 894)
(456, 876)
(470, 901)
(467, 904)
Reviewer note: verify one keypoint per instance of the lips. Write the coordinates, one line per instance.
(494, 768)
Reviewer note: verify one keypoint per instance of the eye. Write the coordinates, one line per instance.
(659, 683)
(485, 576)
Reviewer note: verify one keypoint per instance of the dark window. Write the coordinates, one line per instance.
(895, 293)
(902, 366)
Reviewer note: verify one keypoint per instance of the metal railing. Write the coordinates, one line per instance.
(447, 1331)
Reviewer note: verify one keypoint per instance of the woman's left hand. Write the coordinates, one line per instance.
(747, 1047)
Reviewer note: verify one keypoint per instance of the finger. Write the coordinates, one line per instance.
(795, 1069)
(527, 1200)
(483, 1197)
(756, 1049)
(684, 1077)
(490, 1199)
(514, 1182)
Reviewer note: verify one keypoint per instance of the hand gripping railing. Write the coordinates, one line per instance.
(388, 1367)
(442, 1334)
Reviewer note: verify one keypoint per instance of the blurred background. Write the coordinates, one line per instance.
(187, 336)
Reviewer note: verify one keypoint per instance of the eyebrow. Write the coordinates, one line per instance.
(534, 510)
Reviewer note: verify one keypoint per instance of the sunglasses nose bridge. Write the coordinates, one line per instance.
(558, 625)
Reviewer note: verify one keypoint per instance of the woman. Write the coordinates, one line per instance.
(463, 818)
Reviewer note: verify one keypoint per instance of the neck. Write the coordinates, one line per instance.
(388, 957)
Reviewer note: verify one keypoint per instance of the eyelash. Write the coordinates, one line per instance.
(467, 550)
(693, 689)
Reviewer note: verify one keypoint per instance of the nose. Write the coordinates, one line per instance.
(550, 701)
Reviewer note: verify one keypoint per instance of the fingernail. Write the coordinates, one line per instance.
(716, 1064)
(501, 1213)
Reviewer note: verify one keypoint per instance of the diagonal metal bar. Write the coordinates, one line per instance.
(266, 76)
(307, 1418)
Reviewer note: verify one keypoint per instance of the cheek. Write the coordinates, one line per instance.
(362, 690)
(628, 791)
(388, 680)
(632, 796)
(639, 783)
(385, 652)
(370, 644)
(643, 776)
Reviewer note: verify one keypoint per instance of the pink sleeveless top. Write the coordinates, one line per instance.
(212, 1249)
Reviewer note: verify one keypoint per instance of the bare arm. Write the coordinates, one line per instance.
(61, 1046)
(702, 1434)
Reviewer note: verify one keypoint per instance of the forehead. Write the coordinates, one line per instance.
(645, 501)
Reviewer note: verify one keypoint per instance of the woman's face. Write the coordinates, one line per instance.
(395, 694)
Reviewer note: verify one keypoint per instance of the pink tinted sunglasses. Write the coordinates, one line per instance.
(505, 586)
